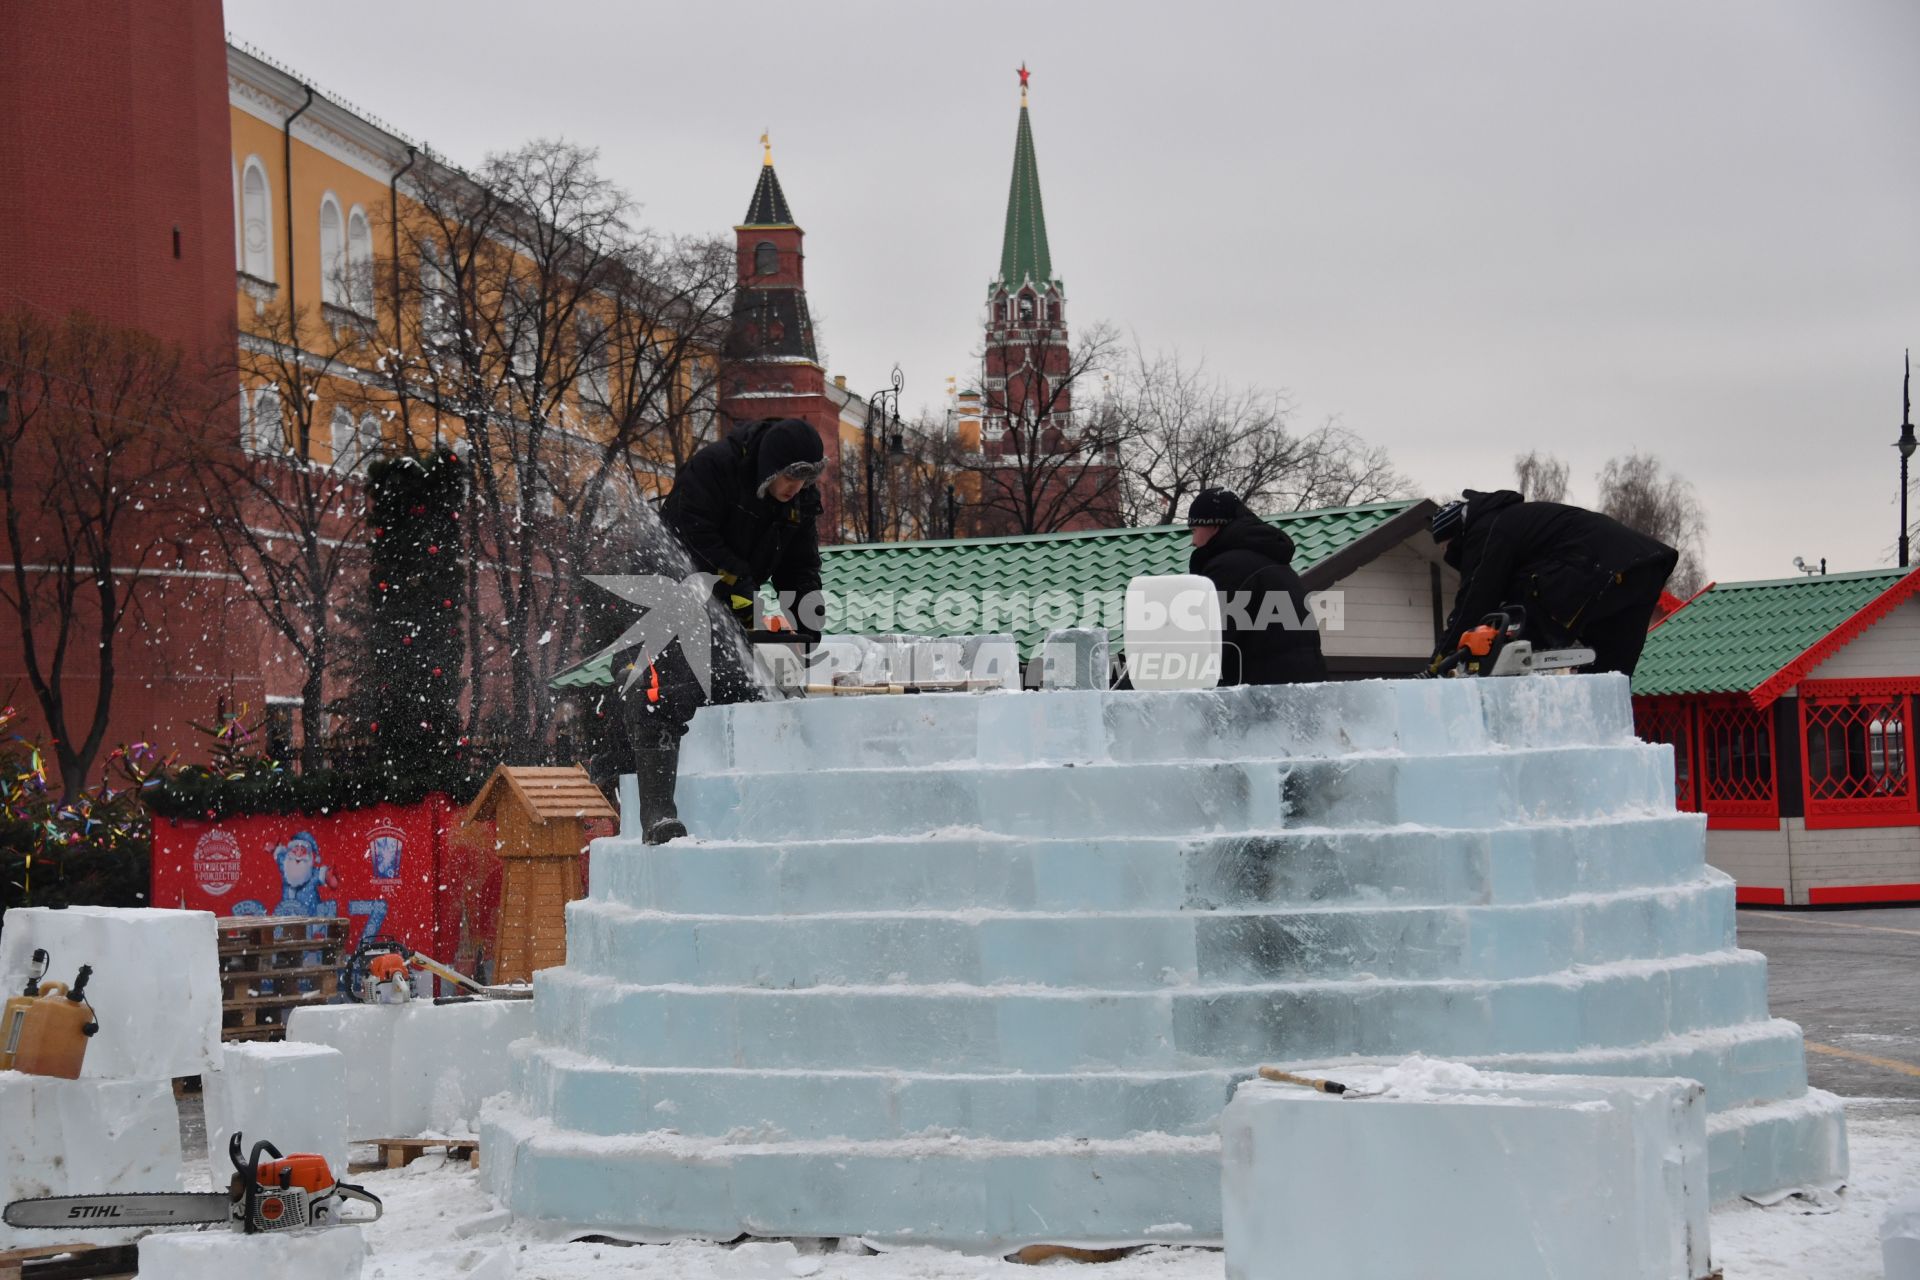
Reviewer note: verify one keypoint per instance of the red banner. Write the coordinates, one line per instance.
(379, 867)
(402, 872)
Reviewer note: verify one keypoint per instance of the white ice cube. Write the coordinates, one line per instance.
(333, 1253)
(1173, 632)
(1474, 1174)
(291, 1094)
(155, 988)
(1900, 1238)
(82, 1137)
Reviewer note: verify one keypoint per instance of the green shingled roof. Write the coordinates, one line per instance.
(1735, 636)
(1098, 562)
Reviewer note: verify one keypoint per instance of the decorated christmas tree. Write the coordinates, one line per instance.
(405, 712)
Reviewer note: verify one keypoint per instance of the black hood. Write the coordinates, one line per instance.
(1248, 533)
(776, 443)
(1480, 507)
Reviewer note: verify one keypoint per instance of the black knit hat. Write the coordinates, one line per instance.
(785, 442)
(1215, 507)
(1449, 520)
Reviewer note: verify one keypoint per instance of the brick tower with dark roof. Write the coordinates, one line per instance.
(771, 367)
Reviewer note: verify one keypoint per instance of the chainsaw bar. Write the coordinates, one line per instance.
(134, 1209)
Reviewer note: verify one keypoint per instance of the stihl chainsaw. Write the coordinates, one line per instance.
(381, 972)
(281, 1193)
(1496, 648)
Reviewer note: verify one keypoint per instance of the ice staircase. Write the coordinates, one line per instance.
(982, 970)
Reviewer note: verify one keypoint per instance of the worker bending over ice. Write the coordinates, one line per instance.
(1584, 579)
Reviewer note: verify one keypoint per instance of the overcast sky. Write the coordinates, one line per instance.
(1464, 229)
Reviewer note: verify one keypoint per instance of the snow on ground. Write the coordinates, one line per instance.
(440, 1224)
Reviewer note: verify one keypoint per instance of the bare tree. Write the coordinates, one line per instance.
(922, 487)
(1185, 430)
(286, 502)
(91, 471)
(1049, 459)
(1639, 492)
(1541, 477)
(576, 360)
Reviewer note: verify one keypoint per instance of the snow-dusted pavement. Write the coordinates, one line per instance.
(441, 1225)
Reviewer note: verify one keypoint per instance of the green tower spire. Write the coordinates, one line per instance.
(1023, 252)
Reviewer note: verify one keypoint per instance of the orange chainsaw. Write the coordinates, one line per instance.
(280, 1193)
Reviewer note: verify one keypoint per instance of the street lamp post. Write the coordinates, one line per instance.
(1906, 446)
(890, 398)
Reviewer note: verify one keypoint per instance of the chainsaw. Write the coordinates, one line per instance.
(381, 972)
(281, 1193)
(1497, 648)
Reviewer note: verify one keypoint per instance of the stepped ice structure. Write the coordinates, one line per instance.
(983, 970)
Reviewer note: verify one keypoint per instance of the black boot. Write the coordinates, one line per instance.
(656, 766)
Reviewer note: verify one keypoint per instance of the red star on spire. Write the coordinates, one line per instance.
(1024, 73)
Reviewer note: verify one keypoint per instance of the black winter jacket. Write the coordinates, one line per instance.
(1248, 560)
(747, 540)
(1556, 561)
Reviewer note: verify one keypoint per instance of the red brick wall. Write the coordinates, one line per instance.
(113, 133)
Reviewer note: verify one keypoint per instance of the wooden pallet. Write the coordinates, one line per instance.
(272, 965)
(398, 1153)
(69, 1262)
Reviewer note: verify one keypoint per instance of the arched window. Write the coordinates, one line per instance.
(592, 337)
(256, 214)
(766, 259)
(266, 432)
(359, 262)
(1026, 308)
(370, 441)
(333, 252)
(239, 244)
(439, 310)
(346, 444)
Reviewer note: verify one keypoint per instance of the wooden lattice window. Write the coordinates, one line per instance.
(1858, 760)
(1671, 720)
(1738, 774)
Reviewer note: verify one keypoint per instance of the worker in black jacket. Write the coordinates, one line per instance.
(1583, 578)
(1269, 635)
(745, 508)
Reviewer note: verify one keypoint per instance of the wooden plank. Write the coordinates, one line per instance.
(280, 1000)
(315, 973)
(81, 1262)
(397, 1153)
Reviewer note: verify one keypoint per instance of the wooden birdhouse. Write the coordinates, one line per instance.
(541, 820)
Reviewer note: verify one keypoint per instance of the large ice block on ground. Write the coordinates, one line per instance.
(418, 1068)
(73, 1137)
(333, 1253)
(291, 1094)
(1900, 1239)
(1456, 1174)
(155, 984)
(983, 970)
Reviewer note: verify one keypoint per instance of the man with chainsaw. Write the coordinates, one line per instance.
(1583, 578)
(745, 508)
(1268, 635)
